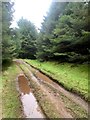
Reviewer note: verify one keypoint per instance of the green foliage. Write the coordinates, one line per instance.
(17, 42)
(7, 42)
(70, 29)
(27, 38)
(44, 42)
(65, 30)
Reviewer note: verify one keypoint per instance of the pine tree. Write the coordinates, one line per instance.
(7, 42)
(28, 36)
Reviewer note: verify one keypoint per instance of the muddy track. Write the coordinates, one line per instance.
(55, 92)
(30, 106)
(77, 99)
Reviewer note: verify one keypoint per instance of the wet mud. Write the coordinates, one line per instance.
(30, 106)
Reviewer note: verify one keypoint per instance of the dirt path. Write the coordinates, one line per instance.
(62, 100)
(43, 78)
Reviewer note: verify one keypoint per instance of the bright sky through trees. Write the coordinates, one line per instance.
(33, 10)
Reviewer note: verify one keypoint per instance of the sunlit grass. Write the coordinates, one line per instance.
(74, 77)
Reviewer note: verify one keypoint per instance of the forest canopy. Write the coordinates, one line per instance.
(8, 48)
(64, 34)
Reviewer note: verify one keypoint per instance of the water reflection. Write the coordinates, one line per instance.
(30, 106)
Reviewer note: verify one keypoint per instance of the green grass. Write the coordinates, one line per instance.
(0, 81)
(10, 96)
(73, 77)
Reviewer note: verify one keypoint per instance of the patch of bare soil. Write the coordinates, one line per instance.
(71, 107)
(58, 103)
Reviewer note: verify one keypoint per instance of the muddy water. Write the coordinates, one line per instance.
(30, 106)
(41, 76)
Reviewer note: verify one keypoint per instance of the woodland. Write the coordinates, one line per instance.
(63, 36)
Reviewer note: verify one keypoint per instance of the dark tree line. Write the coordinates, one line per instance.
(7, 37)
(27, 35)
(64, 35)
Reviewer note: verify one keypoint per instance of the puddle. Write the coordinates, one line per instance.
(38, 75)
(30, 105)
(41, 76)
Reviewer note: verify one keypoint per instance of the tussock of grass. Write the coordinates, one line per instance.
(10, 96)
(73, 77)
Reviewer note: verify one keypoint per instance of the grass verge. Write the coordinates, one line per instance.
(73, 77)
(10, 97)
